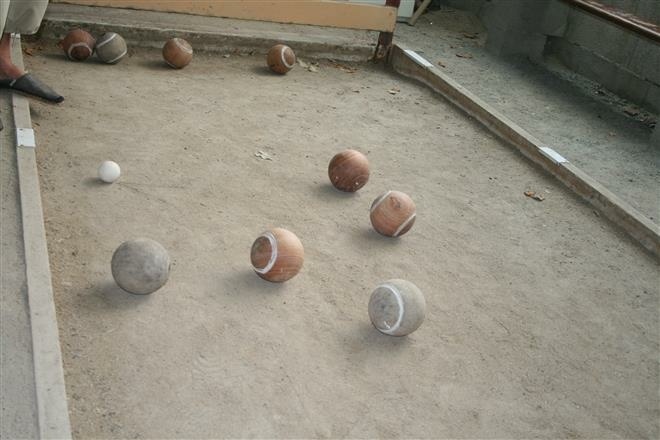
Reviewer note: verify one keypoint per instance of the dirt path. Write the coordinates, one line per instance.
(542, 318)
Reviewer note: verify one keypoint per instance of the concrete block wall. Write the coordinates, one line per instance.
(517, 26)
(623, 62)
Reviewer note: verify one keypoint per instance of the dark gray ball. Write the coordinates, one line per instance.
(111, 48)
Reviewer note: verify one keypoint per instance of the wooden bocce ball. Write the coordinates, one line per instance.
(78, 45)
(111, 48)
(349, 170)
(393, 213)
(281, 58)
(397, 307)
(177, 53)
(277, 255)
(140, 266)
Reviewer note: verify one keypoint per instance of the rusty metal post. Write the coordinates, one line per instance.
(385, 38)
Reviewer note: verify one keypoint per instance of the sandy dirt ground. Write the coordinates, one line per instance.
(542, 317)
(576, 117)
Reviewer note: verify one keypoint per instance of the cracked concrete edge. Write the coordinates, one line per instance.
(52, 406)
(57, 23)
(410, 64)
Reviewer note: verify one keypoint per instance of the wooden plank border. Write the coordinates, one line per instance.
(408, 63)
(52, 407)
(313, 12)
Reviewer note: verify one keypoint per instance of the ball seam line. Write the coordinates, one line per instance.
(117, 58)
(103, 43)
(75, 45)
(182, 47)
(399, 301)
(289, 66)
(379, 201)
(403, 225)
(273, 253)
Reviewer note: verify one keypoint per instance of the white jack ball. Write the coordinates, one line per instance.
(109, 171)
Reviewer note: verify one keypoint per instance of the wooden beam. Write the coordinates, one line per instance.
(418, 13)
(314, 12)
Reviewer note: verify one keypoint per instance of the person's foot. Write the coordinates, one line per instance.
(9, 70)
(14, 78)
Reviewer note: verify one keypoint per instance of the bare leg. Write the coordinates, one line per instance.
(7, 68)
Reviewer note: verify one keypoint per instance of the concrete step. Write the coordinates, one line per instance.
(151, 29)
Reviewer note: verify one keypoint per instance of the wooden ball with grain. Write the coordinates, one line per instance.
(349, 170)
(393, 213)
(277, 255)
(177, 53)
(281, 58)
(78, 45)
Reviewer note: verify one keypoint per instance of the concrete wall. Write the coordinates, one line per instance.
(623, 62)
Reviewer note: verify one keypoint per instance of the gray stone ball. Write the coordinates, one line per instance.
(397, 307)
(140, 266)
(111, 48)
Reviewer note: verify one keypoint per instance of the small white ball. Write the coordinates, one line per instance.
(109, 171)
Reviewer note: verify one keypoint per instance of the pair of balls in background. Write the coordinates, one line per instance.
(396, 307)
(78, 45)
(142, 266)
(392, 213)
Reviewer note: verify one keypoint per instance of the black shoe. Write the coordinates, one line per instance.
(31, 86)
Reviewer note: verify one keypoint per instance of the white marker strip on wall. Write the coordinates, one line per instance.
(25, 138)
(552, 154)
(418, 58)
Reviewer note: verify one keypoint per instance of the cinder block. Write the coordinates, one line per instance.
(466, 5)
(599, 36)
(502, 15)
(652, 100)
(648, 10)
(628, 85)
(555, 19)
(585, 62)
(516, 43)
(519, 26)
(644, 60)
